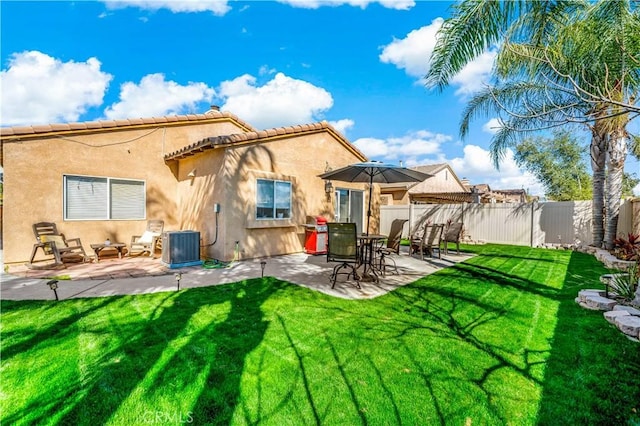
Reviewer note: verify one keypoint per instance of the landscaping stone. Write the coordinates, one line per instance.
(629, 325)
(630, 309)
(583, 294)
(612, 315)
(600, 303)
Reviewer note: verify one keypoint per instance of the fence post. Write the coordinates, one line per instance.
(532, 206)
(410, 218)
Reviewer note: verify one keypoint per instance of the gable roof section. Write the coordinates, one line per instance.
(262, 136)
(431, 169)
(25, 132)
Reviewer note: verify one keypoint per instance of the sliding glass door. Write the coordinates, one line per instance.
(350, 207)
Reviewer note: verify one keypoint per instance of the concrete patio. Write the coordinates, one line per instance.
(138, 275)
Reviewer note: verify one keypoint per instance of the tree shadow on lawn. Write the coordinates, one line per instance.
(593, 371)
(47, 336)
(148, 360)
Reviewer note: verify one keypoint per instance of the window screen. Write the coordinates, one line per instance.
(99, 198)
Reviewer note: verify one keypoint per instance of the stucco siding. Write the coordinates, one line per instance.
(182, 192)
(35, 166)
(298, 159)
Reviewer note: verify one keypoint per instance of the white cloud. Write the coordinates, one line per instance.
(412, 52)
(342, 125)
(492, 126)
(221, 7)
(217, 7)
(476, 165)
(410, 149)
(154, 96)
(282, 101)
(315, 4)
(636, 190)
(373, 148)
(37, 88)
(475, 75)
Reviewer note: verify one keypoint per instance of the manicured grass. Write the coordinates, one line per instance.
(496, 340)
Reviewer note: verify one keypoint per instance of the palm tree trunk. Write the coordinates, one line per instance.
(617, 154)
(598, 163)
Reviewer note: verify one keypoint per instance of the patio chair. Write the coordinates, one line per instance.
(342, 247)
(150, 240)
(434, 240)
(417, 236)
(392, 246)
(452, 234)
(54, 243)
(431, 240)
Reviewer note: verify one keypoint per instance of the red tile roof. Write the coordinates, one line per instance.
(260, 136)
(37, 130)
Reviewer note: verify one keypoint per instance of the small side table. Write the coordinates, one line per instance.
(97, 248)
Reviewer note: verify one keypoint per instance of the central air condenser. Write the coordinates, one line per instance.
(181, 248)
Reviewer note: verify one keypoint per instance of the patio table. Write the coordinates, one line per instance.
(97, 248)
(369, 243)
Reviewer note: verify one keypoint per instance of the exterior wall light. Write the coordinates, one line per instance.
(328, 187)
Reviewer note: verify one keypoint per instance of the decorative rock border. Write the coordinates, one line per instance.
(609, 260)
(625, 318)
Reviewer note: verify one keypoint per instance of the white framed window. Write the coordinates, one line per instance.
(103, 198)
(273, 199)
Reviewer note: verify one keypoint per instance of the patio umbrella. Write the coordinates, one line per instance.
(374, 172)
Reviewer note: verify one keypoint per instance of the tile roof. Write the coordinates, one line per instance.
(260, 136)
(430, 168)
(38, 130)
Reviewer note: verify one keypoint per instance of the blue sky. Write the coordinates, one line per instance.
(355, 64)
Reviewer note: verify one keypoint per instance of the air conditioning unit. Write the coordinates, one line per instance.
(181, 248)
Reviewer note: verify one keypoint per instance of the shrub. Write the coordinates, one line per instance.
(624, 284)
(627, 249)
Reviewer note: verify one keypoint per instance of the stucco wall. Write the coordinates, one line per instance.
(228, 176)
(34, 169)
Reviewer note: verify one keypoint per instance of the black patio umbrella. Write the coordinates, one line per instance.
(374, 172)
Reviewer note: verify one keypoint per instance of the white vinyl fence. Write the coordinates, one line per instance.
(531, 224)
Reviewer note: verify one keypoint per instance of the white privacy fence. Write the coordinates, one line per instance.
(531, 224)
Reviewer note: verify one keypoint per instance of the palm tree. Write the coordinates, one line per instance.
(550, 48)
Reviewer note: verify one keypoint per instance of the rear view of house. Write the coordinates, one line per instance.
(247, 192)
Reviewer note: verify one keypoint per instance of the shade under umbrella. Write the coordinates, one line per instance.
(375, 172)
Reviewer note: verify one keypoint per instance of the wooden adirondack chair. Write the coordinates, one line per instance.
(54, 243)
(150, 240)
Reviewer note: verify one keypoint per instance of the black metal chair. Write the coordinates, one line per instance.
(392, 246)
(342, 247)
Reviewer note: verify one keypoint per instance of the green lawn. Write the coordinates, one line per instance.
(495, 340)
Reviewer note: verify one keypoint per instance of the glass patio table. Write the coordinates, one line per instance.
(369, 244)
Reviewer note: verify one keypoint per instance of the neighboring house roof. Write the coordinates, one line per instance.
(480, 187)
(20, 132)
(261, 136)
(431, 169)
(443, 198)
(511, 191)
